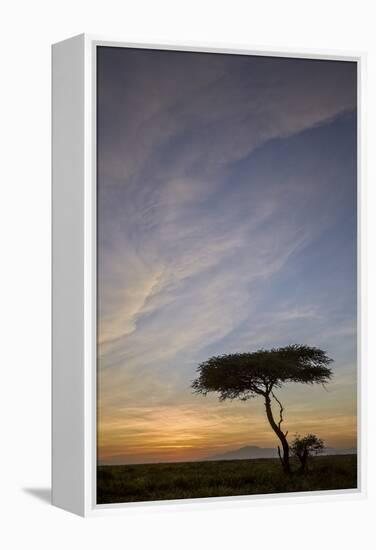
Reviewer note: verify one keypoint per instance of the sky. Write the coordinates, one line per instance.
(226, 223)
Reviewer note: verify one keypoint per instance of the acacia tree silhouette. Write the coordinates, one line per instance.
(246, 375)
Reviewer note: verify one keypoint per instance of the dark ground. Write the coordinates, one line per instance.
(143, 482)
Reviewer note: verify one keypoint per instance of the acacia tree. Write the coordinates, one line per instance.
(304, 447)
(246, 375)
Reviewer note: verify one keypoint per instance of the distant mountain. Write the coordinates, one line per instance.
(334, 451)
(246, 452)
(252, 451)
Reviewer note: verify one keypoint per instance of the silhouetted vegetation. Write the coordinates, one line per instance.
(246, 375)
(146, 482)
(305, 447)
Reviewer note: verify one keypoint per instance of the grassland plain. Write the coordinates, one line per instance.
(169, 481)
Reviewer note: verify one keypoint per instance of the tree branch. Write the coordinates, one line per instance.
(280, 410)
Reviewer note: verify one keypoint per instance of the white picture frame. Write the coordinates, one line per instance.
(74, 367)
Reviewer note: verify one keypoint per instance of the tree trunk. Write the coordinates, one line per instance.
(281, 436)
(303, 460)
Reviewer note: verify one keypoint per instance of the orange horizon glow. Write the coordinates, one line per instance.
(203, 427)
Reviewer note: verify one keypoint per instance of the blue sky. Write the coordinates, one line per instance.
(226, 222)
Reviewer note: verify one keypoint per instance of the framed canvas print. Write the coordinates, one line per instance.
(206, 253)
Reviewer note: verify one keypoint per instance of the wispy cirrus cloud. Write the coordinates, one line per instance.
(172, 112)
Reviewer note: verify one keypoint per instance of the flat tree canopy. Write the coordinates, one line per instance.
(245, 375)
